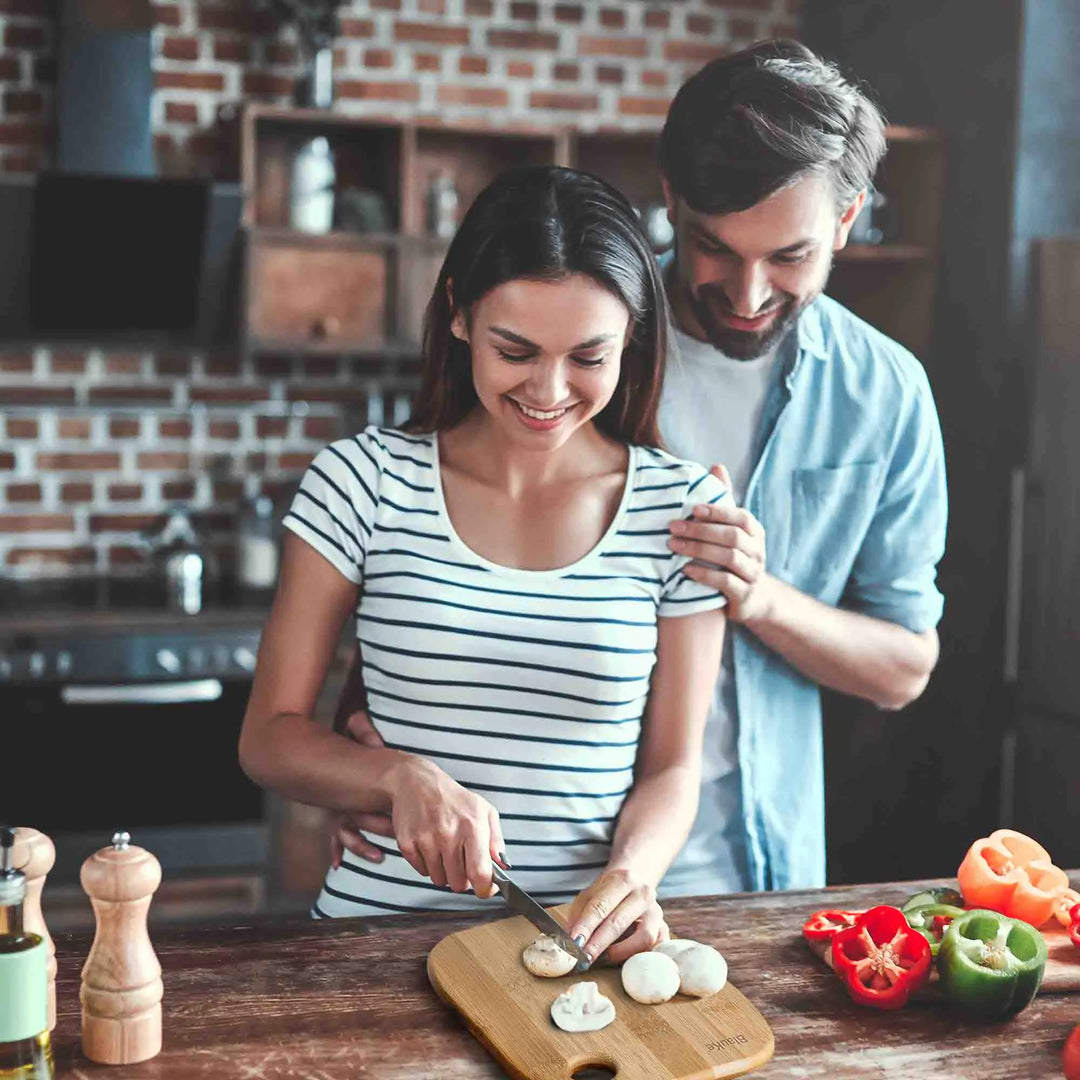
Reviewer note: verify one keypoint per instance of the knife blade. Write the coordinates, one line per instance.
(525, 905)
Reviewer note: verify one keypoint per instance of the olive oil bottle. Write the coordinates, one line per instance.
(25, 1048)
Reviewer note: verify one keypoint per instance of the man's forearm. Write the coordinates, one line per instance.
(655, 821)
(845, 650)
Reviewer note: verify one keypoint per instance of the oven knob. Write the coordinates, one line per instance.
(169, 661)
(37, 664)
(196, 658)
(245, 658)
(63, 662)
(221, 658)
(5, 668)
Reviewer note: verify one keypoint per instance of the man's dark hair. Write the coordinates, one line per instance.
(749, 124)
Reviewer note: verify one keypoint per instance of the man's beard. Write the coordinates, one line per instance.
(744, 344)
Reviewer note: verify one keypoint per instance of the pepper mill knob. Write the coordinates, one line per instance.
(121, 979)
(34, 854)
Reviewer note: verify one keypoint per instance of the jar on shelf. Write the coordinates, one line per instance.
(257, 545)
(311, 207)
(442, 205)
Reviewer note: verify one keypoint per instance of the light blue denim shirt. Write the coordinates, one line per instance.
(850, 487)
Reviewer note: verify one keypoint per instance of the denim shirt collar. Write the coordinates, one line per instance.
(811, 337)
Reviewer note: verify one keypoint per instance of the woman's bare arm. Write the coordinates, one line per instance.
(281, 746)
(657, 815)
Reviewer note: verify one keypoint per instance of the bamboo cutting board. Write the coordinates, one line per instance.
(480, 974)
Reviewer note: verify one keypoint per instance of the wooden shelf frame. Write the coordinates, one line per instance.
(889, 284)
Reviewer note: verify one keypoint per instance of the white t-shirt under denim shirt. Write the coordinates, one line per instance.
(526, 686)
(710, 413)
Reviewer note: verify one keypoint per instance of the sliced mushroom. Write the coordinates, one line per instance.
(674, 946)
(544, 957)
(651, 977)
(582, 1008)
(702, 971)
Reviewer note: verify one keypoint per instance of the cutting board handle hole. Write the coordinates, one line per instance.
(593, 1072)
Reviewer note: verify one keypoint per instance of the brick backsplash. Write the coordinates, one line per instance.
(94, 452)
(96, 444)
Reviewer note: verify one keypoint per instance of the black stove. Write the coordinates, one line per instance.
(125, 714)
(122, 629)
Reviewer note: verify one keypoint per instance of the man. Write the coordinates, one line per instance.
(830, 441)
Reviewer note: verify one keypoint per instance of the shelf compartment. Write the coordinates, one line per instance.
(308, 292)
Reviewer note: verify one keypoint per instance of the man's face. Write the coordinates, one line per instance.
(743, 278)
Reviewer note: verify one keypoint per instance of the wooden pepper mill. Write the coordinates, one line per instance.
(35, 854)
(121, 979)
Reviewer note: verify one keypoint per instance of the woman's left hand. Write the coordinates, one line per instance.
(617, 903)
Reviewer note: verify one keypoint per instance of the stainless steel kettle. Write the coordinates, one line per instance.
(184, 562)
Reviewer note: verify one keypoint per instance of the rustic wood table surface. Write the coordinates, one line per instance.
(345, 999)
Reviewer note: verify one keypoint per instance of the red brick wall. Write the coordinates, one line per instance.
(94, 445)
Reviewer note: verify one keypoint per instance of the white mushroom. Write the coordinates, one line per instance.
(702, 971)
(582, 1008)
(674, 946)
(650, 977)
(544, 957)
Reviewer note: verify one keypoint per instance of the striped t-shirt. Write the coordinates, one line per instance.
(528, 687)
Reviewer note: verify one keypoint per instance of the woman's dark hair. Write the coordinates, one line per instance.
(749, 124)
(544, 223)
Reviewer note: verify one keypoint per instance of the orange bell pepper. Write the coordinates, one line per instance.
(1011, 873)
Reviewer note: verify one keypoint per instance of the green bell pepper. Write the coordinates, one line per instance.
(932, 921)
(939, 895)
(991, 966)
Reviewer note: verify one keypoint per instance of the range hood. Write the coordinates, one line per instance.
(99, 249)
(103, 88)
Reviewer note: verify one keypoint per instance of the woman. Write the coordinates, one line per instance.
(537, 664)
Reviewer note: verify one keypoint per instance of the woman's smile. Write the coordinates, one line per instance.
(539, 419)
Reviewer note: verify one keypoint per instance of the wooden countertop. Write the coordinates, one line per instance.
(344, 999)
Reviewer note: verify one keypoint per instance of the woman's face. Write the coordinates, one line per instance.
(546, 355)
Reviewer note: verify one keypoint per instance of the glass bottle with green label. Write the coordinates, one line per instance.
(25, 1049)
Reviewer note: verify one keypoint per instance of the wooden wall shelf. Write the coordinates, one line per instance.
(365, 292)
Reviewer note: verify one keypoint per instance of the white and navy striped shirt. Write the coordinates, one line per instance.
(528, 687)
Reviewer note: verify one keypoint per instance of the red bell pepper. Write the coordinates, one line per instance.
(1074, 926)
(881, 958)
(822, 925)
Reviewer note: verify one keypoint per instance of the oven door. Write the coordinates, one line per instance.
(95, 758)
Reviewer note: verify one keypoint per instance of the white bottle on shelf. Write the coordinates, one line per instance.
(311, 208)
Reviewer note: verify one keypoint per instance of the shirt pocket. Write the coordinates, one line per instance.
(831, 510)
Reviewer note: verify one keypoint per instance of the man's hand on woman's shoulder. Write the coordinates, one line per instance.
(727, 544)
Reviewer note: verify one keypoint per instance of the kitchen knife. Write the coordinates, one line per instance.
(525, 905)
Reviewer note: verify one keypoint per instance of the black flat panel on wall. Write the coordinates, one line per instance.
(208, 255)
(116, 253)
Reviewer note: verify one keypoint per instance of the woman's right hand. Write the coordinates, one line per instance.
(443, 830)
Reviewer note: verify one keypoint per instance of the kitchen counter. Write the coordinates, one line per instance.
(343, 999)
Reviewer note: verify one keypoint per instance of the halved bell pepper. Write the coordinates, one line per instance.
(1074, 926)
(881, 959)
(937, 895)
(1064, 905)
(991, 966)
(823, 924)
(1011, 873)
(932, 920)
